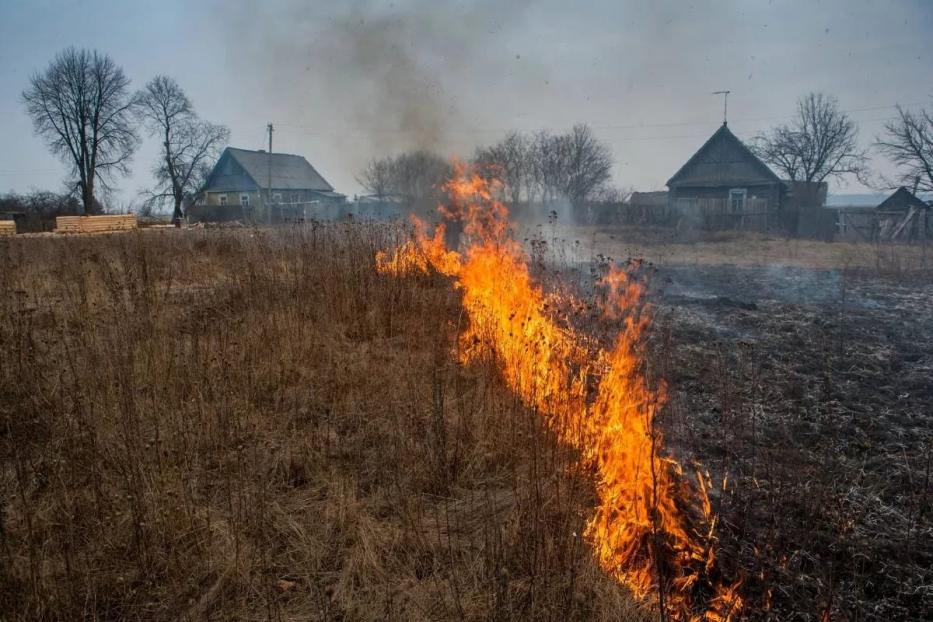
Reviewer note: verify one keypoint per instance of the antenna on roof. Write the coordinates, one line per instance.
(725, 103)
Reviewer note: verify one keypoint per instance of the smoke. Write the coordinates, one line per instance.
(364, 79)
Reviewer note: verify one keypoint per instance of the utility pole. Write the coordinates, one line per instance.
(270, 129)
(725, 105)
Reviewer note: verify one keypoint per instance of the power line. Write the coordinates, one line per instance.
(613, 126)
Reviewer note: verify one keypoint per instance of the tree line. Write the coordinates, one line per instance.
(83, 107)
(537, 167)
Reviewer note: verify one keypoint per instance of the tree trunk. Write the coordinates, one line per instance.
(87, 197)
(177, 215)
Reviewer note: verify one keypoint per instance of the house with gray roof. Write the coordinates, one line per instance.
(258, 186)
(725, 185)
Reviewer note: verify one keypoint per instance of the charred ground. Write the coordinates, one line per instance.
(812, 389)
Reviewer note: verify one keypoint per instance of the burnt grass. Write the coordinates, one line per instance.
(811, 392)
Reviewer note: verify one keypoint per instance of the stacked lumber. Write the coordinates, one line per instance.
(95, 224)
(7, 227)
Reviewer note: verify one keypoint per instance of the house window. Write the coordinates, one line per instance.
(244, 200)
(737, 200)
(277, 197)
(222, 198)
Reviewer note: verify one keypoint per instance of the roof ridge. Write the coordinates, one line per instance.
(276, 171)
(723, 130)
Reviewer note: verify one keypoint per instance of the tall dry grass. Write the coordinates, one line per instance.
(253, 424)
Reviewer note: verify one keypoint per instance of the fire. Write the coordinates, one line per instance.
(420, 254)
(643, 531)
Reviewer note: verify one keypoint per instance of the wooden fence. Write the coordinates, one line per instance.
(719, 213)
(7, 227)
(95, 224)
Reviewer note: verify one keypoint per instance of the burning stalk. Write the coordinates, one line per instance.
(645, 527)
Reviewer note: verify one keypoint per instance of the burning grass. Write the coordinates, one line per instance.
(243, 424)
(643, 531)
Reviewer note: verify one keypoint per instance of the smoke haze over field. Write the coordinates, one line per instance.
(346, 82)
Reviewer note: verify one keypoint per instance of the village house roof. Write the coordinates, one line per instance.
(723, 160)
(288, 172)
(901, 201)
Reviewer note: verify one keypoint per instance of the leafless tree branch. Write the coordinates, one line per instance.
(80, 104)
(189, 144)
(821, 142)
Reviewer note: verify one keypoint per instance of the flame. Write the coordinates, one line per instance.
(643, 531)
(420, 254)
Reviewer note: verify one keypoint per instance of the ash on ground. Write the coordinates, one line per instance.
(811, 392)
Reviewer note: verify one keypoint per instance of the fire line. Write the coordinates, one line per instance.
(651, 529)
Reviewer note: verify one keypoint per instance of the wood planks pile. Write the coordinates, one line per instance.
(95, 224)
(7, 227)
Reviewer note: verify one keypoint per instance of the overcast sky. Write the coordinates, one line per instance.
(344, 82)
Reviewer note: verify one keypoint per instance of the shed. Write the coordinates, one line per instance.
(903, 216)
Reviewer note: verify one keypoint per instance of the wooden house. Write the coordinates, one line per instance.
(903, 216)
(257, 186)
(724, 185)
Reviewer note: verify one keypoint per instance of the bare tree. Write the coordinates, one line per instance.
(549, 164)
(417, 176)
(189, 144)
(80, 104)
(509, 160)
(909, 144)
(821, 142)
(588, 163)
(608, 193)
(376, 178)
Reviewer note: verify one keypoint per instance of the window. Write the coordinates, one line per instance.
(244, 200)
(737, 200)
(222, 198)
(277, 197)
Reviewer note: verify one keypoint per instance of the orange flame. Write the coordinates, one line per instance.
(642, 531)
(420, 254)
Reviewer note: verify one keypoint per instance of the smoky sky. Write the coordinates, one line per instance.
(345, 82)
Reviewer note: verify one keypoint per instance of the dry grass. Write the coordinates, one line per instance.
(255, 425)
(670, 247)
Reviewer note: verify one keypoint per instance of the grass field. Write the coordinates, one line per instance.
(255, 424)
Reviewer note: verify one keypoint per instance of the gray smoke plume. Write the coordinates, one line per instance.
(367, 78)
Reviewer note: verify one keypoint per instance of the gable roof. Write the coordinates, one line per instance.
(288, 172)
(723, 160)
(902, 200)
